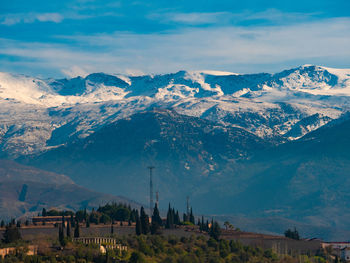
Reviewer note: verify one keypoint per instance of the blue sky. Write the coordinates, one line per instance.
(59, 38)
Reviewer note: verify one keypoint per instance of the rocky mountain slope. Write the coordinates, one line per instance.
(25, 190)
(36, 114)
(224, 170)
(187, 151)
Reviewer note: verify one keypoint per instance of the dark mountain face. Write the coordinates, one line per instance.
(224, 170)
(188, 153)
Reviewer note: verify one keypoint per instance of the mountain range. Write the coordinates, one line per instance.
(267, 146)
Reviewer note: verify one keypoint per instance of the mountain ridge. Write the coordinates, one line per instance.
(37, 115)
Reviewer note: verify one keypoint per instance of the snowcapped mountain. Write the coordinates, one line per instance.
(38, 114)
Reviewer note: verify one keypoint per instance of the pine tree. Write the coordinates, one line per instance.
(138, 224)
(144, 221)
(77, 230)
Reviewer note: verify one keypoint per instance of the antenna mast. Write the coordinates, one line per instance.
(150, 188)
(157, 199)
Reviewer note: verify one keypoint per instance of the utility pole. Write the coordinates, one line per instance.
(150, 189)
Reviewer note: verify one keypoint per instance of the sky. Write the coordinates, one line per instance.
(67, 38)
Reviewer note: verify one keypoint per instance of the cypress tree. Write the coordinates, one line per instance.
(215, 230)
(87, 223)
(144, 221)
(156, 220)
(61, 236)
(177, 218)
(184, 217)
(72, 221)
(2, 224)
(112, 229)
(11, 234)
(192, 220)
(138, 224)
(68, 230)
(77, 230)
(44, 213)
(169, 218)
(63, 222)
(85, 214)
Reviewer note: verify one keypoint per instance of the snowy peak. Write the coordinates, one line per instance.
(37, 114)
(315, 80)
(100, 87)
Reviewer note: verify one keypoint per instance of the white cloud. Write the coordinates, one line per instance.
(221, 18)
(192, 18)
(28, 18)
(75, 71)
(237, 49)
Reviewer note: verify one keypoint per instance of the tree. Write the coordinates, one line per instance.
(68, 229)
(144, 221)
(156, 220)
(2, 224)
(137, 257)
(170, 218)
(72, 221)
(77, 230)
(18, 224)
(202, 226)
(80, 216)
(215, 230)
(191, 217)
(228, 225)
(44, 213)
(292, 234)
(11, 234)
(61, 236)
(138, 224)
(63, 221)
(177, 220)
(112, 229)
